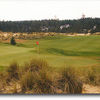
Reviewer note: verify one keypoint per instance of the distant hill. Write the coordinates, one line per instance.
(85, 25)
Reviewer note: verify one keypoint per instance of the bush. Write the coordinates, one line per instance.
(12, 41)
(69, 83)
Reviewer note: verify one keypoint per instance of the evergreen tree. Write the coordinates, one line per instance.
(12, 41)
(77, 26)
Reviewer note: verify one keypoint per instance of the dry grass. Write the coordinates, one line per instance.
(27, 81)
(12, 71)
(92, 76)
(2, 81)
(36, 77)
(14, 89)
(44, 84)
(36, 65)
(69, 82)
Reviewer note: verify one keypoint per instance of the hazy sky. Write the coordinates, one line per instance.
(47, 9)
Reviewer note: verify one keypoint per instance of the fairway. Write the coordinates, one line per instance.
(59, 51)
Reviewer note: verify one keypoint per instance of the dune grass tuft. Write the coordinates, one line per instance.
(36, 77)
(13, 71)
(69, 82)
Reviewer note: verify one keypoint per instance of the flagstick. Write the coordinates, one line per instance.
(38, 49)
(37, 43)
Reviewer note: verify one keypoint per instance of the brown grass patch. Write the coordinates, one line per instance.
(69, 82)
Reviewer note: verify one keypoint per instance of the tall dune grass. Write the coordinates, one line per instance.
(37, 77)
(13, 71)
(69, 81)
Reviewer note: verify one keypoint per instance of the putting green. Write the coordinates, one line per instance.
(59, 51)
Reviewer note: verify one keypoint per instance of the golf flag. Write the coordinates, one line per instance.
(37, 42)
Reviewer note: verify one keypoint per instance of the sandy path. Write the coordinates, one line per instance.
(91, 89)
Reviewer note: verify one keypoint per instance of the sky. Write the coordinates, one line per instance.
(15, 10)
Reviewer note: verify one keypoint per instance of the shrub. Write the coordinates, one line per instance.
(69, 83)
(12, 41)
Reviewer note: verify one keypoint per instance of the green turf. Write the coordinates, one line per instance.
(59, 51)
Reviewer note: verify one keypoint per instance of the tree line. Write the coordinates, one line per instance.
(84, 25)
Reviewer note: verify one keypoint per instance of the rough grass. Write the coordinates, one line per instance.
(92, 75)
(69, 81)
(36, 65)
(37, 77)
(13, 71)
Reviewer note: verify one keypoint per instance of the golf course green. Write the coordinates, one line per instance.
(58, 51)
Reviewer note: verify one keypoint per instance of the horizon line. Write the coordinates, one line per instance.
(50, 19)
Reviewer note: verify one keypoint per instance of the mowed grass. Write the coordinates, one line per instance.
(59, 51)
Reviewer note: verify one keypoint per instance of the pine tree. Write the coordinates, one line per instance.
(12, 41)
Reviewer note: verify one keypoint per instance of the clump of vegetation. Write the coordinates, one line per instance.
(36, 65)
(12, 41)
(37, 83)
(69, 82)
(93, 76)
(36, 77)
(44, 84)
(2, 81)
(27, 81)
(14, 89)
(13, 71)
